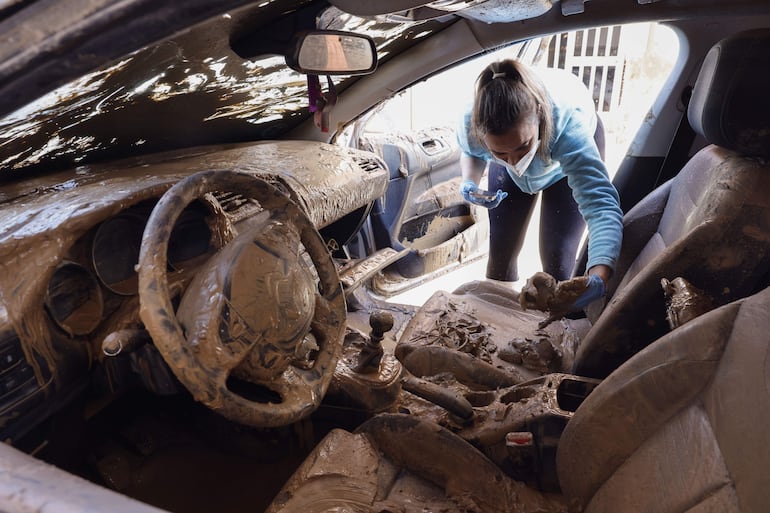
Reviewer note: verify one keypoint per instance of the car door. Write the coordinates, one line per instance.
(422, 210)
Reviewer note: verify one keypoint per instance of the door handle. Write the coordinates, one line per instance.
(432, 146)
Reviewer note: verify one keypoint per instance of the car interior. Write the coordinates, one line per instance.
(624, 446)
(222, 338)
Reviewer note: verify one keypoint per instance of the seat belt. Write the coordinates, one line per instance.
(678, 152)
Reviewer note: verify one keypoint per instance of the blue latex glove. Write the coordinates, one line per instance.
(472, 194)
(595, 290)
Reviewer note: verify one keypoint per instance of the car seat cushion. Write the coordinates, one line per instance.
(681, 426)
(635, 401)
(687, 463)
(738, 404)
(654, 247)
(714, 233)
(687, 204)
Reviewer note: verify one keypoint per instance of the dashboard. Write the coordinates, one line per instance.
(70, 242)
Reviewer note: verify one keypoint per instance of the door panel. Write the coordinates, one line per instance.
(422, 208)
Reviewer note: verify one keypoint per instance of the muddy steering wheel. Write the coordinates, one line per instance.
(258, 331)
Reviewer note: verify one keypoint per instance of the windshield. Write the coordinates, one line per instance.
(191, 90)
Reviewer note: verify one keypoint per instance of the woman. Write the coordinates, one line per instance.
(537, 134)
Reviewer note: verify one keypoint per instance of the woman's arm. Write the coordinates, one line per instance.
(472, 168)
(603, 271)
(593, 191)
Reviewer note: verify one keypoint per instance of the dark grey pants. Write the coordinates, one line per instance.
(561, 227)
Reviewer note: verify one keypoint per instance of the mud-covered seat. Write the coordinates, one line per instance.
(399, 463)
(680, 427)
(710, 224)
(480, 334)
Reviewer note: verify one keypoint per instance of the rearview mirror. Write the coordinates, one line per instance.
(331, 52)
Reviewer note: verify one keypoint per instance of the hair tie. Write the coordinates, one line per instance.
(498, 74)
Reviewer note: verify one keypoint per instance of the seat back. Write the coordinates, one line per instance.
(711, 223)
(681, 426)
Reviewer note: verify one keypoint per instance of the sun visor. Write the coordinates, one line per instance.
(488, 11)
(505, 11)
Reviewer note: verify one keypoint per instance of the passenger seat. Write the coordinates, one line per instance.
(710, 224)
(681, 426)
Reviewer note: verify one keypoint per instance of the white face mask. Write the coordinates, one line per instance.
(521, 166)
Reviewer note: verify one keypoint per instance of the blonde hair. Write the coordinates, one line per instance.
(506, 92)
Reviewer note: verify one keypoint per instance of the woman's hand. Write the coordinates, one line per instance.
(596, 288)
(472, 194)
(603, 271)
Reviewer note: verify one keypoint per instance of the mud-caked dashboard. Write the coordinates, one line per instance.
(70, 245)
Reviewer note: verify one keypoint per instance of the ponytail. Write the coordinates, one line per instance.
(506, 92)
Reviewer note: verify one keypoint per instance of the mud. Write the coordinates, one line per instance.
(684, 301)
(462, 332)
(497, 11)
(74, 300)
(537, 354)
(197, 348)
(375, 390)
(546, 294)
(482, 336)
(358, 272)
(448, 398)
(439, 230)
(395, 462)
(43, 218)
(194, 88)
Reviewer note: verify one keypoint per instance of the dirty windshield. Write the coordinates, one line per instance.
(188, 91)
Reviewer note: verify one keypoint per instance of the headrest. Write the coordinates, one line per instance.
(730, 104)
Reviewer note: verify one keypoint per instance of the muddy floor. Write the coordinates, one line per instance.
(177, 455)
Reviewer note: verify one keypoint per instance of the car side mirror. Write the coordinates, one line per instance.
(332, 52)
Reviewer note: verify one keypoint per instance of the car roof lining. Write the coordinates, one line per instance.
(466, 39)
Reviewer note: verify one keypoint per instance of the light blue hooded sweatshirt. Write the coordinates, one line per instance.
(574, 155)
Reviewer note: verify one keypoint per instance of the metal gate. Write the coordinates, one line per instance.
(595, 56)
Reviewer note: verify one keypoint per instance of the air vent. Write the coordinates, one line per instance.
(17, 378)
(237, 206)
(369, 164)
(454, 5)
